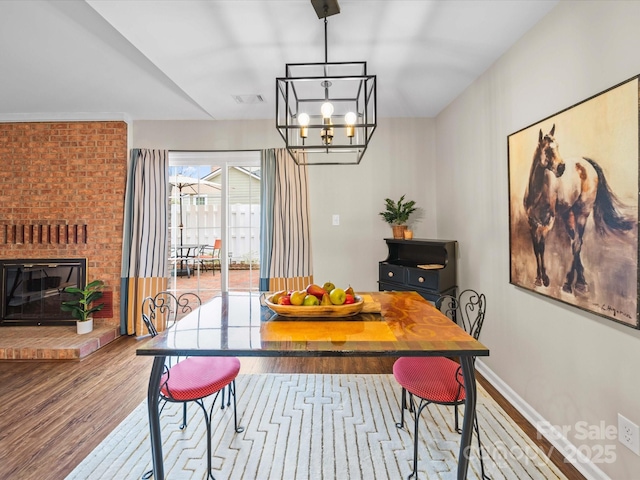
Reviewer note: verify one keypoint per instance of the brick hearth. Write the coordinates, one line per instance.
(53, 343)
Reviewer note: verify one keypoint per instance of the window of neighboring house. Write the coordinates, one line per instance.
(223, 203)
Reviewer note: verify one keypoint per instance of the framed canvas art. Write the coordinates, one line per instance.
(573, 205)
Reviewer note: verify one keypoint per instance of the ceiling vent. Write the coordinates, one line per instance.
(251, 99)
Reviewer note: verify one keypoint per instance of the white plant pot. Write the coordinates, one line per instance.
(84, 327)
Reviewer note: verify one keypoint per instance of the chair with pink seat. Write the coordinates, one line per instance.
(190, 379)
(438, 379)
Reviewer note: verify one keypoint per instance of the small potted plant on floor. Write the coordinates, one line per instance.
(397, 214)
(83, 307)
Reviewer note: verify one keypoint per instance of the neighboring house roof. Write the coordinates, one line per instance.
(216, 174)
(243, 183)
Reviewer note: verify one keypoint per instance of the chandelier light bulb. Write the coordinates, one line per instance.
(326, 109)
(350, 118)
(303, 120)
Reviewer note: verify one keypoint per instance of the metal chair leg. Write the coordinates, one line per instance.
(403, 407)
(232, 391)
(418, 412)
(222, 400)
(184, 416)
(207, 419)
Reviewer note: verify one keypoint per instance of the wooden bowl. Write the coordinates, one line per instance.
(330, 311)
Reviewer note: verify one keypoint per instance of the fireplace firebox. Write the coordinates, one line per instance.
(32, 290)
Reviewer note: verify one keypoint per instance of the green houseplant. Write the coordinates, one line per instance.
(84, 305)
(397, 214)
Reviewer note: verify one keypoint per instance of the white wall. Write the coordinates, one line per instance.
(568, 365)
(400, 160)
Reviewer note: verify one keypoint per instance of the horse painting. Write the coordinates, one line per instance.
(570, 189)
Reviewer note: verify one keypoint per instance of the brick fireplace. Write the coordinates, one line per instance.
(62, 188)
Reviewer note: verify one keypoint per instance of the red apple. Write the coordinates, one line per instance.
(316, 290)
(349, 299)
(284, 300)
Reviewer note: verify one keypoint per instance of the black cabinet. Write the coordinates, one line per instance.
(425, 266)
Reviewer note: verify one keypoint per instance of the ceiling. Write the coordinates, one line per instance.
(186, 60)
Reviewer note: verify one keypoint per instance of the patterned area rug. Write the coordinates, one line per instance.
(316, 427)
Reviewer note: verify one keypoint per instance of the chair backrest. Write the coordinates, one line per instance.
(217, 246)
(467, 310)
(161, 311)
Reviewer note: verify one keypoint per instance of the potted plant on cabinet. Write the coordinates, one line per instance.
(397, 214)
(83, 307)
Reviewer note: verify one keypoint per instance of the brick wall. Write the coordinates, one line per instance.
(67, 178)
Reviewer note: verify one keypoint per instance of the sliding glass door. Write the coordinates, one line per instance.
(214, 222)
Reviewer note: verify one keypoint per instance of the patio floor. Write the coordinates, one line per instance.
(208, 283)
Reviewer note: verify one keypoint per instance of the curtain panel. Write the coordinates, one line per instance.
(285, 255)
(145, 245)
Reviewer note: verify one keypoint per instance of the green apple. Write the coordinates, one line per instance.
(311, 300)
(337, 296)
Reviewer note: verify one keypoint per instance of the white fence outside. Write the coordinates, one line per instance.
(202, 226)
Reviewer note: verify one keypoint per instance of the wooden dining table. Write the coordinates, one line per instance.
(390, 324)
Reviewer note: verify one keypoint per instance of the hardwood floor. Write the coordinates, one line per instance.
(54, 413)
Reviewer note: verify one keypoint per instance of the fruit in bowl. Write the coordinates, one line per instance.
(337, 296)
(316, 301)
(275, 298)
(297, 298)
(316, 291)
(284, 300)
(328, 286)
(310, 300)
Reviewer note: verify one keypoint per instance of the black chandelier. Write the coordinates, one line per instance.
(326, 108)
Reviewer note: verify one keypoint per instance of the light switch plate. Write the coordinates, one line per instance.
(336, 220)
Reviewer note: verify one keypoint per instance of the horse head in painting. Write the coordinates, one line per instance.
(570, 189)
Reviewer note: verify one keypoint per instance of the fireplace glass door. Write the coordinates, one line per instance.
(33, 290)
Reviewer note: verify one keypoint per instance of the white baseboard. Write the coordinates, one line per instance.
(583, 464)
